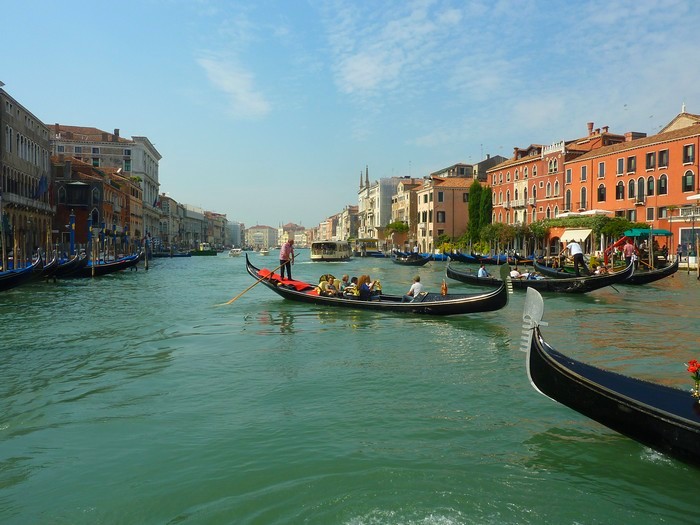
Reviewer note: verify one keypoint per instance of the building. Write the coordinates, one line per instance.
(443, 209)
(26, 209)
(374, 206)
(348, 223)
(261, 237)
(404, 208)
(137, 158)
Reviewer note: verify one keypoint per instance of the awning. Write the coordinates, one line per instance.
(644, 232)
(578, 234)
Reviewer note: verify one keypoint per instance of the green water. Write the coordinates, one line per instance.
(135, 399)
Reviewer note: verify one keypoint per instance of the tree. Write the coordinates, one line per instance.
(475, 218)
(486, 206)
(397, 227)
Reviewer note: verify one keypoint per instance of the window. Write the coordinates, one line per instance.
(78, 149)
(630, 189)
(556, 188)
(524, 173)
(663, 158)
(534, 171)
(584, 173)
(688, 181)
(425, 198)
(465, 197)
(441, 196)
(650, 214)
(127, 153)
(60, 149)
(127, 165)
(441, 232)
(507, 176)
(517, 174)
(441, 216)
(95, 162)
(631, 164)
(95, 151)
(662, 212)
(548, 192)
(651, 160)
(650, 186)
(689, 154)
(568, 176)
(431, 196)
(640, 189)
(553, 166)
(620, 166)
(601, 193)
(567, 200)
(601, 170)
(620, 191)
(584, 199)
(663, 185)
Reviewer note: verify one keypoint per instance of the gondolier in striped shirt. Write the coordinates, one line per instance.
(287, 258)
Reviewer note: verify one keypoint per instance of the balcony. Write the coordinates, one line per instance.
(639, 202)
(518, 203)
(506, 205)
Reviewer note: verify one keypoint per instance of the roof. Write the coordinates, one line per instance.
(670, 136)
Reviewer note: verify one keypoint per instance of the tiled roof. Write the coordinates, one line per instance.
(85, 133)
(689, 131)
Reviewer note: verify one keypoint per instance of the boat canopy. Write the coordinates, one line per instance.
(644, 232)
(575, 234)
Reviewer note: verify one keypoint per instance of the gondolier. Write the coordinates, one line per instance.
(287, 258)
(575, 250)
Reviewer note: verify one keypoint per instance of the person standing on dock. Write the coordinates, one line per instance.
(287, 258)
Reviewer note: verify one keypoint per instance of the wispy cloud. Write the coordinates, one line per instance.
(239, 87)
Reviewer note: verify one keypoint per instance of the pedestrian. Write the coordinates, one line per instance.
(576, 251)
(287, 258)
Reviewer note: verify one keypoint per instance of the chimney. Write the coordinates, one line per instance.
(590, 128)
(488, 156)
(116, 131)
(115, 136)
(56, 128)
(605, 129)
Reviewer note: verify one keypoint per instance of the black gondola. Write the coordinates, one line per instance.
(99, 269)
(572, 285)
(661, 417)
(72, 265)
(638, 277)
(13, 278)
(410, 259)
(426, 303)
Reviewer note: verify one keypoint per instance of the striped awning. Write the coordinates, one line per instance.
(578, 234)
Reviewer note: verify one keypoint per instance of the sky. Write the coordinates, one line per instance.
(269, 111)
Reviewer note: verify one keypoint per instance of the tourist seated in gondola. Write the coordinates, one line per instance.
(416, 288)
(344, 282)
(483, 272)
(325, 286)
(351, 290)
(515, 274)
(375, 290)
(364, 285)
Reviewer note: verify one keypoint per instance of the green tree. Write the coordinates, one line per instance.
(475, 217)
(486, 206)
(397, 227)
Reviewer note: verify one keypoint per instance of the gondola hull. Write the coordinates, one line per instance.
(664, 418)
(70, 266)
(98, 270)
(427, 304)
(13, 278)
(571, 285)
(637, 278)
(410, 260)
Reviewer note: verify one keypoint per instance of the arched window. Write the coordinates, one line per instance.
(641, 183)
(556, 188)
(601, 193)
(548, 191)
(620, 191)
(516, 194)
(61, 195)
(534, 191)
(534, 215)
(508, 196)
(650, 186)
(517, 175)
(688, 181)
(663, 185)
(630, 189)
(507, 176)
(525, 173)
(534, 171)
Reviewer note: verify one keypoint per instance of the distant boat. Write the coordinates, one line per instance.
(330, 251)
(264, 251)
(204, 249)
(235, 252)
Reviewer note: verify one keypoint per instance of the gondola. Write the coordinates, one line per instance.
(46, 271)
(661, 417)
(410, 259)
(571, 285)
(638, 277)
(72, 265)
(13, 278)
(466, 258)
(426, 303)
(100, 269)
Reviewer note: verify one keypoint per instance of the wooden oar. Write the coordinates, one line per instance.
(252, 285)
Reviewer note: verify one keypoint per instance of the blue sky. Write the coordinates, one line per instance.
(269, 111)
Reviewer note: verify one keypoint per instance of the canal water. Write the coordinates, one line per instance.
(138, 399)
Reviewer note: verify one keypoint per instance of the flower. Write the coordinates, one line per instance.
(694, 369)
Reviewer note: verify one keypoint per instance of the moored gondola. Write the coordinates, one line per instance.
(640, 276)
(661, 417)
(72, 265)
(571, 285)
(99, 269)
(411, 259)
(13, 278)
(426, 303)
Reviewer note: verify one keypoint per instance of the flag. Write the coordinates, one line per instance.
(41, 188)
